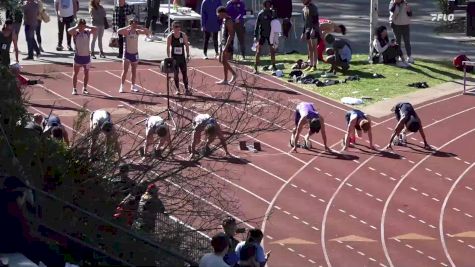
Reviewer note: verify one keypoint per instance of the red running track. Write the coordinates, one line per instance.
(413, 208)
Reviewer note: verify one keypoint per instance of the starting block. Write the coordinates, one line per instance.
(254, 148)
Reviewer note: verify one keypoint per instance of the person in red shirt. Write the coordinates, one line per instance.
(328, 26)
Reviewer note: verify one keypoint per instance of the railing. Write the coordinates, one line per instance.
(166, 247)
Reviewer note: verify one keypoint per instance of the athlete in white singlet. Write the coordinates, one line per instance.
(156, 125)
(131, 51)
(100, 121)
(82, 56)
(208, 124)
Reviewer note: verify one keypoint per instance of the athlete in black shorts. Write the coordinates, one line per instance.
(407, 121)
(176, 42)
(262, 33)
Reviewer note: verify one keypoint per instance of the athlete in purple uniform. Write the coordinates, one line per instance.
(306, 113)
(131, 51)
(82, 56)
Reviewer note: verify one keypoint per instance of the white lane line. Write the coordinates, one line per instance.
(429, 170)
(269, 237)
(468, 215)
(425, 194)
(312, 195)
(392, 178)
(317, 169)
(363, 222)
(311, 261)
(328, 174)
(371, 168)
(361, 253)
(457, 210)
(373, 227)
(431, 226)
(302, 256)
(306, 223)
(304, 191)
(438, 174)
(401, 211)
(356, 161)
(410, 161)
(315, 228)
(342, 211)
(383, 174)
(444, 264)
(457, 158)
(435, 199)
(348, 184)
(420, 252)
(286, 212)
(369, 195)
(432, 258)
(409, 246)
(414, 189)
(412, 216)
(371, 259)
(352, 216)
(378, 199)
(449, 179)
(291, 250)
(359, 189)
(460, 240)
(277, 207)
(293, 185)
(469, 188)
(295, 217)
(422, 221)
(350, 247)
(321, 200)
(466, 162)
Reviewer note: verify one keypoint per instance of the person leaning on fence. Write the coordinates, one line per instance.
(219, 242)
(250, 252)
(230, 228)
(150, 206)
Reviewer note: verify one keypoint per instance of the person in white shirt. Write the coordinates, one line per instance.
(208, 124)
(66, 12)
(250, 252)
(156, 125)
(101, 122)
(131, 51)
(220, 246)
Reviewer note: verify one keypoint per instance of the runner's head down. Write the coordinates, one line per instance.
(365, 125)
(315, 125)
(176, 27)
(210, 130)
(413, 124)
(106, 127)
(161, 130)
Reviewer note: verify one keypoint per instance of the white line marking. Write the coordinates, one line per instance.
(350, 247)
(431, 226)
(414, 189)
(342, 211)
(429, 170)
(295, 217)
(438, 174)
(277, 207)
(435, 199)
(328, 174)
(443, 264)
(311, 261)
(383, 174)
(457, 158)
(425, 194)
(293, 185)
(361, 253)
(369, 195)
(382, 265)
(456, 209)
(412, 216)
(359, 189)
(286, 212)
(471, 246)
(371, 259)
(409, 246)
(338, 179)
(348, 184)
(290, 249)
(432, 258)
(303, 191)
(466, 162)
(312, 195)
(321, 200)
(306, 223)
(414, 139)
(352, 216)
(410, 161)
(461, 241)
(302, 256)
(468, 215)
(317, 169)
(363, 222)
(401, 211)
(392, 178)
(373, 227)
(356, 161)
(270, 237)
(371, 168)
(422, 221)
(469, 188)
(315, 228)
(420, 252)
(450, 179)
(378, 199)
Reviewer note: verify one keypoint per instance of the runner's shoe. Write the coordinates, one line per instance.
(121, 88)
(75, 92)
(134, 88)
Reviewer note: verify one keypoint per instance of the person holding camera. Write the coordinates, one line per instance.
(400, 20)
(176, 43)
(388, 52)
(250, 252)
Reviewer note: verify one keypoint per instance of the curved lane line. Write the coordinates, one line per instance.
(386, 204)
(327, 209)
(442, 214)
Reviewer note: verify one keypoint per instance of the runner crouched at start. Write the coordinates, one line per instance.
(208, 124)
(101, 122)
(407, 121)
(357, 122)
(156, 125)
(306, 113)
(54, 128)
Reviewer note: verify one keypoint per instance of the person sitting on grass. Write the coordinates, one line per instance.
(408, 121)
(306, 113)
(340, 54)
(156, 125)
(328, 26)
(388, 52)
(219, 242)
(357, 122)
(262, 33)
(54, 128)
(208, 124)
(101, 122)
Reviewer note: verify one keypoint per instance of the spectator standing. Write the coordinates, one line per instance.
(311, 31)
(98, 17)
(15, 13)
(340, 55)
(215, 259)
(236, 9)
(400, 20)
(66, 12)
(210, 24)
(262, 32)
(388, 52)
(230, 228)
(38, 27)
(153, 14)
(30, 13)
(149, 207)
(121, 11)
(327, 26)
(7, 37)
(250, 252)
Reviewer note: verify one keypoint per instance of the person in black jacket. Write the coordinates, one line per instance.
(262, 33)
(339, 55)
